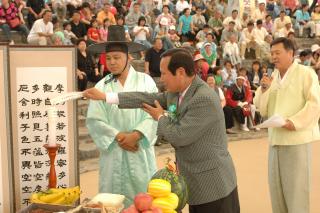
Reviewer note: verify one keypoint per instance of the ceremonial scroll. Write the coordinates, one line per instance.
(36, 76)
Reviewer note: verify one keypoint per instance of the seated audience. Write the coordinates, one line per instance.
(42, 30)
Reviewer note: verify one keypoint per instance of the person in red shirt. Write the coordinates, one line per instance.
(201, 66)
(103, 64)
(10, 20)
(238, 97)
(93, 32)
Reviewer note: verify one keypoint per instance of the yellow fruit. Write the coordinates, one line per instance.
(49, 198)
(56, 190)
(173, 199)
(164, 204)
(159, 188)
(35, 198)
(61, 201)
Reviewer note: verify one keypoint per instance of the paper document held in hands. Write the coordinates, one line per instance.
(273, 121)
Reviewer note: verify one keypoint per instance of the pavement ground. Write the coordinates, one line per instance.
(251, 163)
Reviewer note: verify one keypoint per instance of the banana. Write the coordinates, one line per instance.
(73, 197)
(55, 190)
(49, 198)
(57, 196)
(35, 198)
(61, 200)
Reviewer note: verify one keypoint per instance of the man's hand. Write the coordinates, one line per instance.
(155, 112)
(289, 126)
(129, 141)
(265, 82)
(94, 94)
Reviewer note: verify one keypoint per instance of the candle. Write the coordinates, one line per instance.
(52, 116)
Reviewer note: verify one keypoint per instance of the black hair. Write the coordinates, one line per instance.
(243, 69)
(259, 21)
(156, 39)
(76, 11)
(54, 20)
(206, 26)
(250, 23)
(167, 6)
(232, 22)
(210, 74)
(215, 70)
(65, 24)
(185, 10)
(85, 5)
(308, 51)
(180, 58)
(92, 21)
(45, 12)
(303, 53)
(234, 11)
(211, 35)
(227, 62)
(256, 62)
(142, 18)
(136, 4)
(287, 43)
(80, 40)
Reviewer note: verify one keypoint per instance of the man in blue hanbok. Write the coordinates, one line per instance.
(124, 137)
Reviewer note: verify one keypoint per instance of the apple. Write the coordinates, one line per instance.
(156, 210)
(143, 201)
(131, 209)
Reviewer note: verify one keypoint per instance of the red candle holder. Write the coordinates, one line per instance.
(52, 152)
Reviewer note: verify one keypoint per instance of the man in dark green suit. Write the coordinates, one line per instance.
(189, 117)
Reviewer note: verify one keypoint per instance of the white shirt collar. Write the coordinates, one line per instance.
(184, 92)
(292, 66)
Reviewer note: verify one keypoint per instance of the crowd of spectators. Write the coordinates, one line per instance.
(220, 34)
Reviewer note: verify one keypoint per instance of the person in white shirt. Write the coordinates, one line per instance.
(260, 32)
(233, 17)
(248, 41)
(231, 51)
(181, 5)
(141, 33)
(42, 30)
(198, 20)
(286, 30)
(280, 22)
(265, 53)
(75, 3)
(260, 12)
(212, 84)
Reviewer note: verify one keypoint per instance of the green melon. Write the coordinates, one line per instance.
(178, 184)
